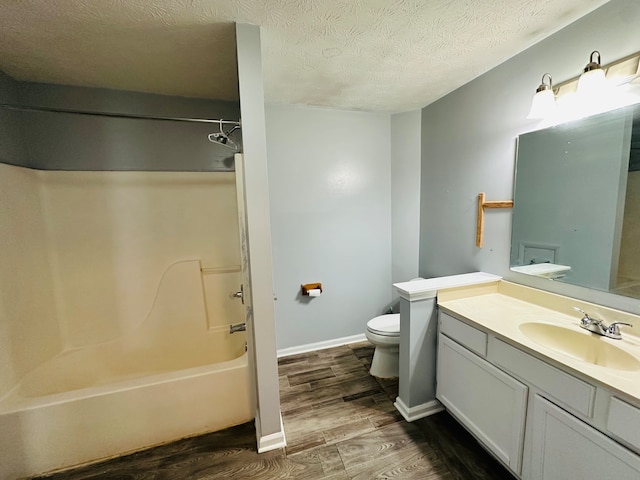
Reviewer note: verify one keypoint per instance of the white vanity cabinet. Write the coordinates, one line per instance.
(490, 403)
(540, 421)
(564, 447)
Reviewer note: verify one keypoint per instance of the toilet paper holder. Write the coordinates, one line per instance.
(311, 289)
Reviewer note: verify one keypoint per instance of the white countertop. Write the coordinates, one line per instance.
(501, 308)
(546, 270)
(428, 288)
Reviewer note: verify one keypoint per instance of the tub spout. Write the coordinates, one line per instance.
(238, 327)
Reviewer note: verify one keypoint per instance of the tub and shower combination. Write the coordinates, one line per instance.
(95, 403)
(116, 307)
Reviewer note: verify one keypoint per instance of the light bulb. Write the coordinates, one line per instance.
(543, 103)
(593, 80)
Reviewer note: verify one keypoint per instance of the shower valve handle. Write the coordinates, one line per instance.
(239, 294)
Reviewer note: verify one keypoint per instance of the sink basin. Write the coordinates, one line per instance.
(586, 346)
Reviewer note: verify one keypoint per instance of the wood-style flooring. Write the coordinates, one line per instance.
(340, 423)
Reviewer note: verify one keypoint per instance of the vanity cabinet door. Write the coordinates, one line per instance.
(487, 401)
(564, 447)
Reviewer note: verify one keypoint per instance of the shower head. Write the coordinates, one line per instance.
(222, 137)
(219, 138)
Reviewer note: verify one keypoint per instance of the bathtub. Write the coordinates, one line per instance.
(175, 374)
(90, 404)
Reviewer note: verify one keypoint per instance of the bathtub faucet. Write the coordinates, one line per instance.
(238, 327)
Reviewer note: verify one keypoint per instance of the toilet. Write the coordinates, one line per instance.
(384, 333)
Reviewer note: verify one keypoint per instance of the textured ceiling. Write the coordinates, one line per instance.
(374, 55)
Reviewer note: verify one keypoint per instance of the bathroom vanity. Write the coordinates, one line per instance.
(547, 398)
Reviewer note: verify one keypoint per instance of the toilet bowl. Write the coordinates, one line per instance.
(384, 333)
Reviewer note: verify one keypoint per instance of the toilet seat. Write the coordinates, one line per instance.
(384, 333)
(385, 325)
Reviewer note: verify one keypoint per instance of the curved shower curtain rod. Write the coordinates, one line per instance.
(21, 108)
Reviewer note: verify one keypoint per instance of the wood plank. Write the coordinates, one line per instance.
(498, 204)
(480, 222)
(482, 204)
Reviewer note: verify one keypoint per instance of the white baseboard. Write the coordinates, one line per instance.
(312, 347)
(411, 414)
(272, 441)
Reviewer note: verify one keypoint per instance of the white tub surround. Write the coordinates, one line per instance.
(546, 397)
(418, 320)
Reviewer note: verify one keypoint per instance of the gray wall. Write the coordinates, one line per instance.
(256, 241)
(405, 195)
(468, 146)
(60, 141)
(13, 146)
(329, 183)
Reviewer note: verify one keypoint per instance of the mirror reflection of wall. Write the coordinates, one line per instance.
(628, 281)
(576, 203)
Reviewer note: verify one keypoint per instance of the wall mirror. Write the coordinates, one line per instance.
(576, 215)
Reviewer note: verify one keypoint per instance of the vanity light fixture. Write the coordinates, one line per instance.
(593, 80)
(544, 100)
(598, 89)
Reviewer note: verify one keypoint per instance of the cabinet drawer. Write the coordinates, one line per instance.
(623, 421)
(473, 339)
(570, 391)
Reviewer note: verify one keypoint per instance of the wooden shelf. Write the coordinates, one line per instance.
(482, 204)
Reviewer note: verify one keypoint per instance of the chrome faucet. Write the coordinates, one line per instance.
(597, 326)
(614, 332)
